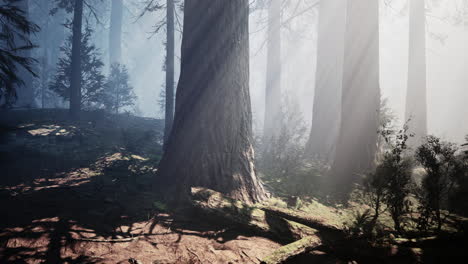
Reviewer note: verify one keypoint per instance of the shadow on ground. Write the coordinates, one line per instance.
(79, 192)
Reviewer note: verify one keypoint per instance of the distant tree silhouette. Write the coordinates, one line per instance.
(91, 77)
(357, 140)
(118, 93)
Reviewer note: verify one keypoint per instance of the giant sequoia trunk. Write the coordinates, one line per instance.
(416, 101)
(169, 111)
(115, 32)
(327, 97)
(75, 83)
(356, 147)
(273, 78)
(211, 140)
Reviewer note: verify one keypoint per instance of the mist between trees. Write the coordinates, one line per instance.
(280, 106)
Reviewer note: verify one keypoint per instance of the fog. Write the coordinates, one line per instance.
(446, 66)
(222, 131)
(143, 52)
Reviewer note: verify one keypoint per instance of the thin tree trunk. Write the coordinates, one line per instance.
(75, 84)
(211, 140)
(376, 214)
(45, 59)
(115, 32)
(329, 75)
(169, 111)
(416, 98)
(45, 75)
(273, 78)
(357, 141)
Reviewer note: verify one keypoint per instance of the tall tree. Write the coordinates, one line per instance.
(75, 80)
(211, 140)
(170, 46)
(273, 75)
(45, 58)
(50, 38)
(329, 75)
(92, 80)
(167, 100)
(416, 98)
(118, 92)
(357, 141)
(75, 7)
(115, 33)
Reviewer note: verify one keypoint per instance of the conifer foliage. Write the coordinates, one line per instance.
(92, 79)
(118, 91)
(14, 26)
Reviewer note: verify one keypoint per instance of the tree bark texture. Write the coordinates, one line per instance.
(211, 140)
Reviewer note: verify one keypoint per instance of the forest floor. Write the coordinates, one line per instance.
(80, 192)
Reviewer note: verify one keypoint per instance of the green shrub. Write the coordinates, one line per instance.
(443, 169)
(281, 161)
(390, 185)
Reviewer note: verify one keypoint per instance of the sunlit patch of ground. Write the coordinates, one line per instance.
(72, 178)
(40, 132)
(79, 193)
(58, 239)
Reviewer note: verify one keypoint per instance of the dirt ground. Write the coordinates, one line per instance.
(79, 193)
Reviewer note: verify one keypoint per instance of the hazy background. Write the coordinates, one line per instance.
(447, 71)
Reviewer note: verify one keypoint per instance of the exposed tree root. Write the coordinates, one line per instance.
(298, 230)
(111, 240)
(253, 218)
(302, 232)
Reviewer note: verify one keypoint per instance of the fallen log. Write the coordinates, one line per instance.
(288, 251)
(305, 219)
(414, 241)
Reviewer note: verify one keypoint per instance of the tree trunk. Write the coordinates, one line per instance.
(44, 75)
(75, 84)
(416, 98)
(115, 32)
(169, 111)
(273, 78)
(211, 140)
(329, 75)
(357, 141)
(45, 58)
